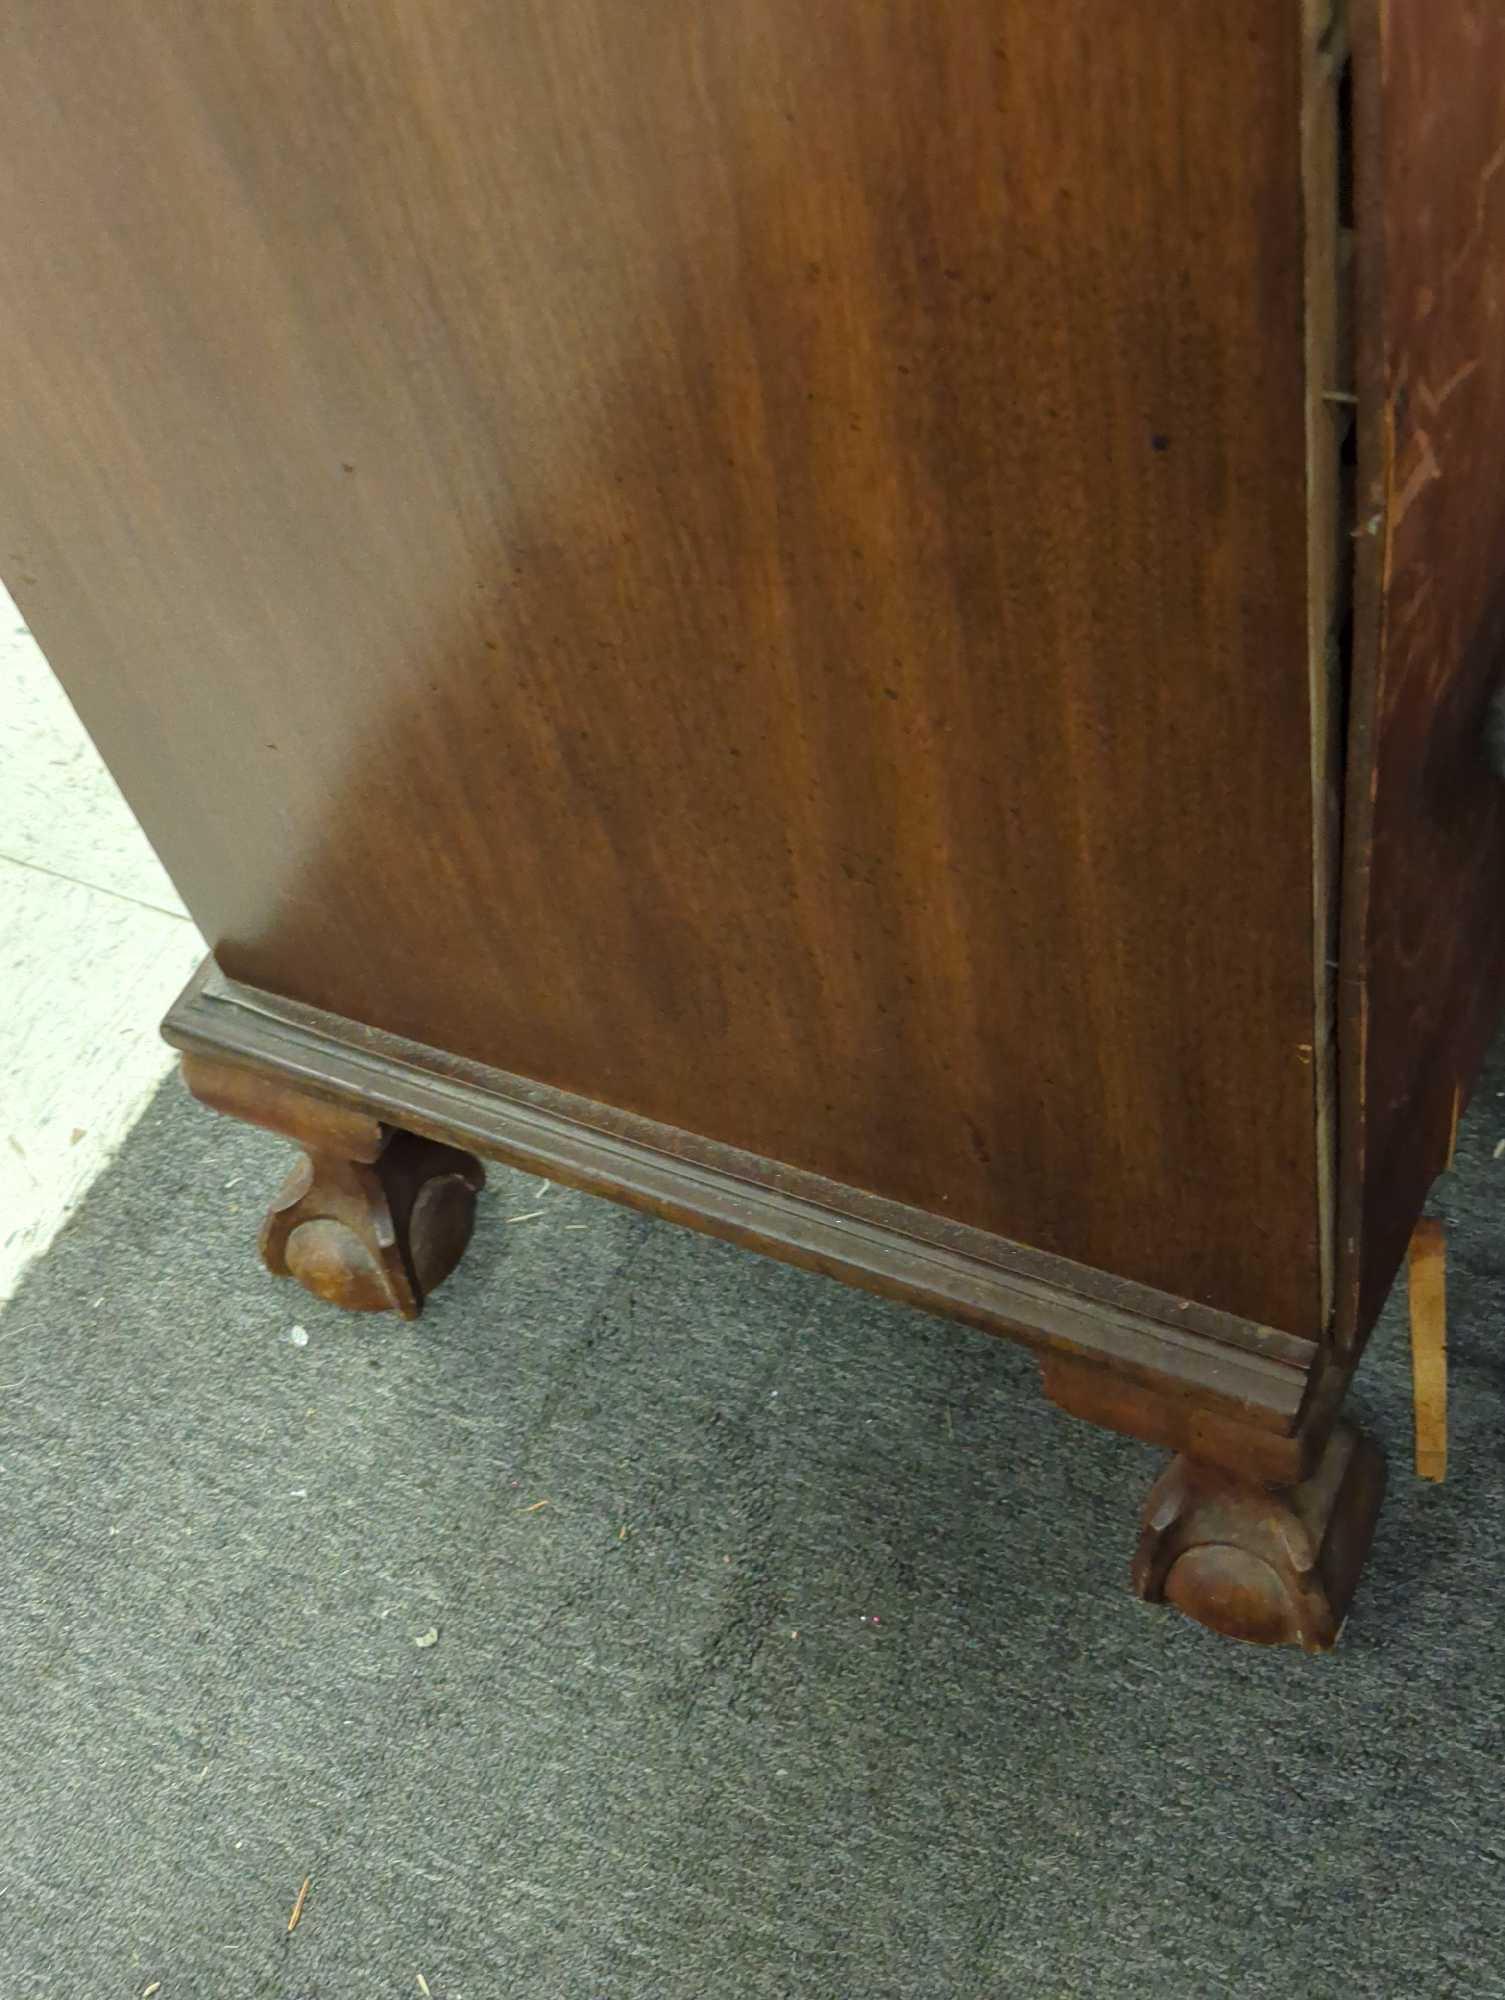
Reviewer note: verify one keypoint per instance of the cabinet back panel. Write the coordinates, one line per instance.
(744, 560)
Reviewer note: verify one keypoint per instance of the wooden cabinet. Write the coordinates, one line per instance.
(867, 625)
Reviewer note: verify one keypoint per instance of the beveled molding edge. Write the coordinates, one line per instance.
(1176, 1354)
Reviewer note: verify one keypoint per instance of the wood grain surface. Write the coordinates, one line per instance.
(745, 561)
(1423, 952)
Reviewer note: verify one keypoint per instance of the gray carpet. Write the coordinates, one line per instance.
(816, 1675)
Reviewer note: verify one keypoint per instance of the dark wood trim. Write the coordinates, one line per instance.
(1256, 1376)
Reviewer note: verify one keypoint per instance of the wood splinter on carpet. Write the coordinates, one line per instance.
(1427, 1276)
(296, 1918)
(534, 1508)
(423, 1986)
(532, 1216)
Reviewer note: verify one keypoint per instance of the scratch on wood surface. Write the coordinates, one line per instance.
(1426, 473)
(1475, 235)
(1388, 556)
(1418, 601)
(1454, 382)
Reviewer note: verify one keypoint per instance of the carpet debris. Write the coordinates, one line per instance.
(297, 1917)
(428, 1638)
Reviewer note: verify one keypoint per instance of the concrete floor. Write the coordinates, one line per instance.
(93, 945)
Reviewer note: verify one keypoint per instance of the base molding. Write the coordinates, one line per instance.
(1172, 1356)
(1116, 1401)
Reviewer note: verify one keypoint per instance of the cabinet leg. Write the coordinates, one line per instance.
(374, 1237)
(1276, 1566)
(370, 1218)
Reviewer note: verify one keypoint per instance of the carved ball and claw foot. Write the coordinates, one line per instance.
(370, 1218)
(1276, 1566)
(377, 1236)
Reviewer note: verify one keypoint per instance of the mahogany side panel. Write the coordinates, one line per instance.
(747, 561)
(1423, 943)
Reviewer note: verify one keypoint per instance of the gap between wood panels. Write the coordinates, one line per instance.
(1330, 376)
